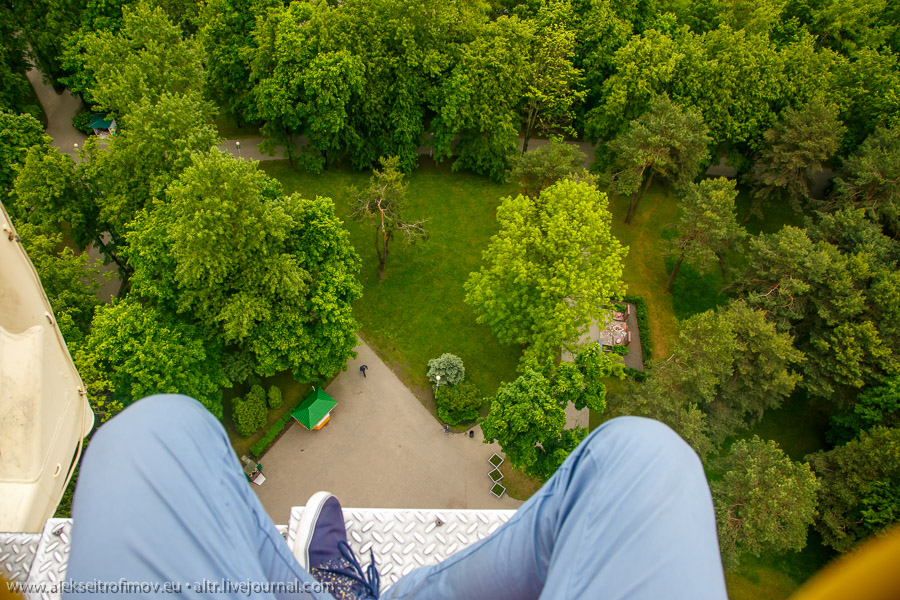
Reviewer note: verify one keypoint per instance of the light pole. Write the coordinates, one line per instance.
(238, 144)
(437, 386)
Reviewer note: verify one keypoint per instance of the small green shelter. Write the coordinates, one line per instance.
(315, 410)
(103, 126)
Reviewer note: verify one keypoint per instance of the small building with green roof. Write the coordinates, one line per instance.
(315, 410)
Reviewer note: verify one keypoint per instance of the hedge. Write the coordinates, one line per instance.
(272, 432)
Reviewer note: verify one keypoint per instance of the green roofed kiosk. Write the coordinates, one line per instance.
(102, 126)
(315, 410)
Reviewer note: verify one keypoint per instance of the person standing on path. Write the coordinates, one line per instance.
(363, 369)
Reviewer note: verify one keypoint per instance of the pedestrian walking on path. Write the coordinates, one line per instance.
(363, 369)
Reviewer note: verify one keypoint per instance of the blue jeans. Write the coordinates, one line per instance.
(161, 497)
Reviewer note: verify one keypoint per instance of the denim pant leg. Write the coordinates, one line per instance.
(628, 515)
(161, 497)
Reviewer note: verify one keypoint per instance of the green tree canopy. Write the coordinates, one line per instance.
(871, 178)
(708, 227)
(553, 267)
(728, 367)
(530, 425)
(546, 165)
(764, 501)
(135, 350)
(552, 80)
(145, 59)
(835, 286)
(877, 405)
(264, 273)
(226, 35)
(18, 133)
(70, 281)
(858, 497)
(799, 146)
(480, 96)
(665, 140)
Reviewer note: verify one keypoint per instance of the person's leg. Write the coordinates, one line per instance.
(627, 515)
(161, 497)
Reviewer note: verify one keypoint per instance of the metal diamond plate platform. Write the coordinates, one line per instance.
(402, 539)
(16, 554)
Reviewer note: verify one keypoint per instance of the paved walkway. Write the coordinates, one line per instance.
(249, 148)
(59, 108)
(382, 448)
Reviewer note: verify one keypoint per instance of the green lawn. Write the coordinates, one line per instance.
(418, 312)
(645, 267)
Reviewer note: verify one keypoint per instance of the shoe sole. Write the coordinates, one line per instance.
(307, 526)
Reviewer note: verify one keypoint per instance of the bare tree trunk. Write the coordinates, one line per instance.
(674, 273)
(636, 198)
(529, 128)
(722, 265)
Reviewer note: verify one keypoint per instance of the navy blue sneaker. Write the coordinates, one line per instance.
(321, 548)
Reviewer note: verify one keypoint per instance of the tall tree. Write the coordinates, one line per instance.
(145, 59)
(528, 419)
(731, 364)
(46, 25)
(871, 178)
(477, 117)
(877, 405)
(154, 144)
(553, 268)
(18, 133)
(799, 147)
(269, 275)
(15, 93)
(98, 197)
(764, 501)
(546, 165)
(70, 281)
(383, 203)
(708, 227)
(552, 84)
(50, 192)
(301, 85)
(667, 141)
(853, 504)
(135, 350)
(835, 286)
(226, 34)
(530, 425)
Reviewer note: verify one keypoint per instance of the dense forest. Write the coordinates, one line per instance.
(226, 278)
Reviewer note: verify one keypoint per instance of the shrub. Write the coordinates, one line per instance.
(238, 367)
(640, 312)
(250, 413)
(275, 399)
(457, 403)
(635, 374)
(82, 122)
(449, 367)
(257, 392)
(272, 432)
(620, 350)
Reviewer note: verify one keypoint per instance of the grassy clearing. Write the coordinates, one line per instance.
(418, 312)
(645, 267)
